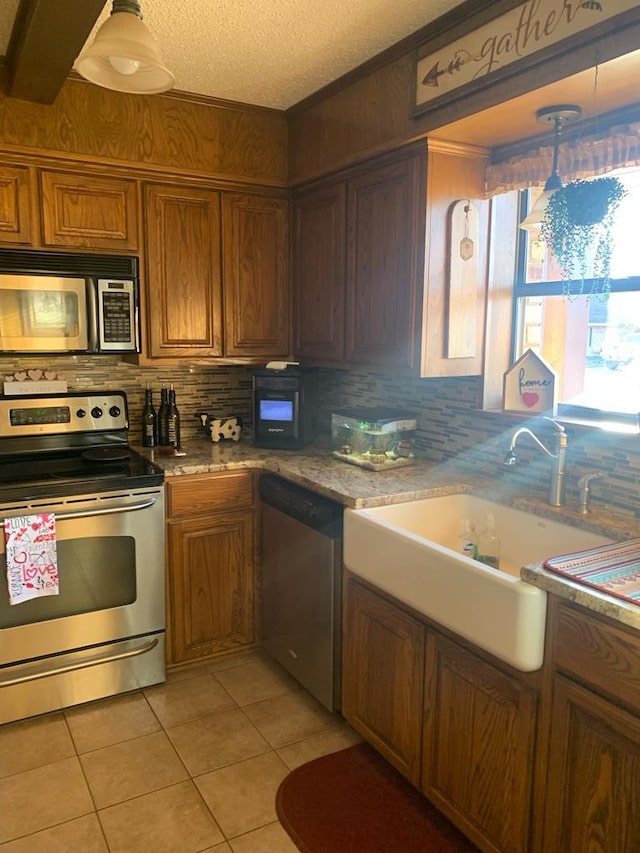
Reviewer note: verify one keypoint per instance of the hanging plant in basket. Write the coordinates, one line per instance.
(577, 228)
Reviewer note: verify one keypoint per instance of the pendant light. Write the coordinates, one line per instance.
(559, 115)
(124, 55)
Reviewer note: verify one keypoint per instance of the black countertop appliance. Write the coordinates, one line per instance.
(285, 403)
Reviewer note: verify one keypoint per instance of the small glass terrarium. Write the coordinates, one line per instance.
(377, 438)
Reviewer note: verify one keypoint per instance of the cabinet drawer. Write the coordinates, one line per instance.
(195, 494)
(598, 653)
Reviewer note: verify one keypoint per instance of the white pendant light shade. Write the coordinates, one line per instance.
(124, 56)
(558, 115)
(534, 219)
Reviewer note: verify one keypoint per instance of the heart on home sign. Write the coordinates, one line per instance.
(49, 375)
(35, 375)
(20, 376)
(530, 398)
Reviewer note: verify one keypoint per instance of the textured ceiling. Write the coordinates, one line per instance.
(269, 52)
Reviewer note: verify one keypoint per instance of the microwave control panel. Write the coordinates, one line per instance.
(117, 312)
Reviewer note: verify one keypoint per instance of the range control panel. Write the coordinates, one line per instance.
(63, 413)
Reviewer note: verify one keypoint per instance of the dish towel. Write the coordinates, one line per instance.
(32, 557)
(613, 568)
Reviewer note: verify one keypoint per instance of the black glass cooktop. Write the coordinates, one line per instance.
(65, 473)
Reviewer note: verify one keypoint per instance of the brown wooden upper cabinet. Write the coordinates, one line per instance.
(356, 265)
(86, 211)
(385, 223)
(200, 243)
(255, 240)
(73, 210)
(319, 225)
(372, 279)
(184, 285)
(16, 221)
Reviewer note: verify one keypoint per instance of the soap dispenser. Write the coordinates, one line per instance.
(467, 538)
(489, 550)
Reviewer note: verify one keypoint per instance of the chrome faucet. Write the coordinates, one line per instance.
(584, 484)
(556, 485)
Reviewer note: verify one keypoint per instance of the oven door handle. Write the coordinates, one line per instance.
(87, 513)
(59, 670)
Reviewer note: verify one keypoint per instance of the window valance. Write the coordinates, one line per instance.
(580, 158)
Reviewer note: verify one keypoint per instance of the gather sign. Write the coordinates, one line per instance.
(519, 33)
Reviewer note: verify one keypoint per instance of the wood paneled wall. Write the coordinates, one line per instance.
(371, 112)
(166, 132)
(370, 116)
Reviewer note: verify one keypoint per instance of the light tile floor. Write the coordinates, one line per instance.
(190, 766)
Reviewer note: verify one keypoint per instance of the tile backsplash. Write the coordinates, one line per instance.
(220, 391)
(450, 423)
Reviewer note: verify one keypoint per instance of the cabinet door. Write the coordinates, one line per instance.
(15, 206)
(319, 273)
(210, 584)
(593, 782)
(89, 212)
(256, 275)
(385, 252)
(184, 291)
(382, 678)
(478, 747)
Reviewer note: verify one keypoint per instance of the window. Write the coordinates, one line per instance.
(593, 343)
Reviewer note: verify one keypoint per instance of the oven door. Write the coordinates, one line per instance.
(89, 640)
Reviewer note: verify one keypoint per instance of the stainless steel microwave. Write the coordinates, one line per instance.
(54, 302)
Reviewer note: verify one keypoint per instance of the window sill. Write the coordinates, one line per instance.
(602, 422)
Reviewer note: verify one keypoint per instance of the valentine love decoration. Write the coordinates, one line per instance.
(31, 556)
(530, 386)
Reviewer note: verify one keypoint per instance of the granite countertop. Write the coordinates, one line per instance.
(591, 599)
(315, 468)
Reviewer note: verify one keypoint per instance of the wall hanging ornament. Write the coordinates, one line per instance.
(462, 284)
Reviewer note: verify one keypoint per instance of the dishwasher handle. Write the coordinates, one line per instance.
(314, 510)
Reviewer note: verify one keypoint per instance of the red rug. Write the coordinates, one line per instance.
(352, 801)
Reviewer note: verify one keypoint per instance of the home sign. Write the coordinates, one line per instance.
(530, 386)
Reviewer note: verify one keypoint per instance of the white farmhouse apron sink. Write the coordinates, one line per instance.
(411, 551)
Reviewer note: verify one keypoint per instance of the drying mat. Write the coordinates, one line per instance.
(352, 801)
(614, 569)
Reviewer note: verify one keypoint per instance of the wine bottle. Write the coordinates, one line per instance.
(149, 420)
(173, 421)
(163, 417)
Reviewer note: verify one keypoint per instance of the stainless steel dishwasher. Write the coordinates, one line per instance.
(300, 602)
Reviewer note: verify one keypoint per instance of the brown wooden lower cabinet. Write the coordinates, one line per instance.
(593, 780)
(479, 735)
(210, 565)
(458, 727)
(382, 683)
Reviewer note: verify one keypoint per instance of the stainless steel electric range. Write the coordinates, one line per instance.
(103, 631)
